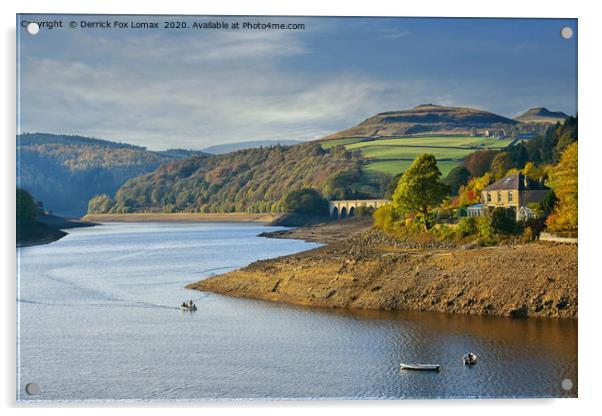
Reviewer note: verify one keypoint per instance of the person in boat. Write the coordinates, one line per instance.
(471, 358)
(190, 303)
(183, 305)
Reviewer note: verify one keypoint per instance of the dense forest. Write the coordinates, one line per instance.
(251, 180)
(66, 171)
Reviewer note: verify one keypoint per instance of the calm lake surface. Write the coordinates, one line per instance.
(98, 319)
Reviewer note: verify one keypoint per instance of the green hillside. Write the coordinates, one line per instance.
(66, 171)
(251, 180)
(392, 155)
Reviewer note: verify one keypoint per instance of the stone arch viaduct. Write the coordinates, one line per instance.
(346, 208)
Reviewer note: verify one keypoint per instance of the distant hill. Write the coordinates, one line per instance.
(424, 119)
(66, 171)
(220, 149)
(541, 115)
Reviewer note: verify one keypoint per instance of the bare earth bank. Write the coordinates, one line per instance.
(181, 217)
(365, 271)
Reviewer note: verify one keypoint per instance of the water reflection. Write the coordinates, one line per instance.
(98, 314)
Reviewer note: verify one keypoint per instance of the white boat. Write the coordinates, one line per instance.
(188, 308)
(421, 367)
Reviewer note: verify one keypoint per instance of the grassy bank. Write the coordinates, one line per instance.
(182, 217)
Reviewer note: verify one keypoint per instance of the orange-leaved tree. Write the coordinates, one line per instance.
(563, 180)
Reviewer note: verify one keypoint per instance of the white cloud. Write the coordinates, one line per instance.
(230, 88)
(202, 88)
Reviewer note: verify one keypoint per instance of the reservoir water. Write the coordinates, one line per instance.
(98, 319)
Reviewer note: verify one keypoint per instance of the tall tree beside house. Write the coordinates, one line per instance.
(420, 189)
(501, 163)
(563, 180)
(564, 135)
(538, 173)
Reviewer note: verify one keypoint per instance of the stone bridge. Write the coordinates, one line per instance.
(346, 208)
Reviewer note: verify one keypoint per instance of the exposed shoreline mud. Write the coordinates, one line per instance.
(366, 270)
(181, 217)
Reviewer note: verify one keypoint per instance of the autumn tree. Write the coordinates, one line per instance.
(565, 134)
(501, 163)
(471, 192)
(100, 204)
(479, 162)
(457, 177)
(419, 189)
(563, 180)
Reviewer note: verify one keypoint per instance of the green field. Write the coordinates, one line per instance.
(393, 167)
(394, 155)
(440, 141)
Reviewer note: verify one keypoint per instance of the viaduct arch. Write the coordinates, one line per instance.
(346, 208)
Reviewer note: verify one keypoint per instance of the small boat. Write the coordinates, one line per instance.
(421, 367)
(188, 308)
(470, 359)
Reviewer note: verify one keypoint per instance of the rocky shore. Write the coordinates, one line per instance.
(370, 271)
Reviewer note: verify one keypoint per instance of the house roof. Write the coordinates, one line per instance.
(517, 181)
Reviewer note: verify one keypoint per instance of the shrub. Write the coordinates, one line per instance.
(487, 235)
(386, 218)
(534, 227)
(446, 232)
(503, 220)
(467, 226)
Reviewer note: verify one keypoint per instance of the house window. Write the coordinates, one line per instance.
(499, 196)
(488, 196)
(510, 196)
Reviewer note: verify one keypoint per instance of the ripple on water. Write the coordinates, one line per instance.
(98, 320)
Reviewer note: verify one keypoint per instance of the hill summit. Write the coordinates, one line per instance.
(541, 115)
(426, 118)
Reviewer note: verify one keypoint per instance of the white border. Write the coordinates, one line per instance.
(590, 203)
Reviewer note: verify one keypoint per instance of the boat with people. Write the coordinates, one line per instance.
(420, 367)
(188, 306)
(470, 358)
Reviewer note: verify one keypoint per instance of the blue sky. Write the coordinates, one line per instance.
(194, 88)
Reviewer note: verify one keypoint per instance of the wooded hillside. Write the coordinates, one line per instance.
(251, 180)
